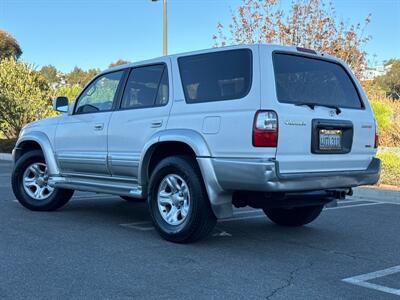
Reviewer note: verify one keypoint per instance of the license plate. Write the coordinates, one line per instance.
(330, 139)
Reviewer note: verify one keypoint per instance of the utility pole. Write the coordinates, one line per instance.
(165, 27)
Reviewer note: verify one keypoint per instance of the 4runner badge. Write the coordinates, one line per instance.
(295, 123)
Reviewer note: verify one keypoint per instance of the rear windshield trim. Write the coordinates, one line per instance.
(326, 59)
(245, 94)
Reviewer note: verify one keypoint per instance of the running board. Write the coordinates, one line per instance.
(117, 187)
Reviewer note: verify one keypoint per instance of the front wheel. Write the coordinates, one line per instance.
(296, 216)
(178, 202)
(30, 184)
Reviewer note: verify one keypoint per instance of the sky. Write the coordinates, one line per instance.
(94, 33)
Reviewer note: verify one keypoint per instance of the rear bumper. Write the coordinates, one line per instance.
(251, 175)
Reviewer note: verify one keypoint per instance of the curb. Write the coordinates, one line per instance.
(6, 156)
(376, 193)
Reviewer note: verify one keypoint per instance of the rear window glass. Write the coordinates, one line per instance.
(300, 79)
(216, 76)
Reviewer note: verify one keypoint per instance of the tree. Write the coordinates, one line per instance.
(51, 74)
(69, 91)
(24, 96)
(80, 77)
(390, 82)
(9, 46)
(310, 24)
(118, 63)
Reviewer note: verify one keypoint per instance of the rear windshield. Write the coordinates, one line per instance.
(300, 79)
(216, 76)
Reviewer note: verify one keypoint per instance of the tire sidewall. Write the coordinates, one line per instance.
(178, 166)
(17, 182)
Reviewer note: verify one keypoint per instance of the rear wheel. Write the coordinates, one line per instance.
(178, 202)
(30, 184)
(296, 216)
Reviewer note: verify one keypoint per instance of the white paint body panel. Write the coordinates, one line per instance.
(81, 147)
(129, 131)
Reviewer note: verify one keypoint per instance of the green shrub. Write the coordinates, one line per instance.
(390, 173)
(24, 96)
(69, 91)
(383, 114)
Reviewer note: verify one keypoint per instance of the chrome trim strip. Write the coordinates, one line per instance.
(100, 177)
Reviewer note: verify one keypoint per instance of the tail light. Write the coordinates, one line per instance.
(376, 144)
(265, 129)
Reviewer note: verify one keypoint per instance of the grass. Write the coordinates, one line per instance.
(387, 115)
(390, 173)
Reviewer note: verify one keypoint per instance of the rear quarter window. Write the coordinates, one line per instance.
(302, 79)
(216, 76)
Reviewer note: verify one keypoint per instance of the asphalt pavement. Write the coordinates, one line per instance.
(102, 247)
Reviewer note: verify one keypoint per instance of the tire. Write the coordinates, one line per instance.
(132, 199)
(27, 171)
(296, 216)
(194, 218)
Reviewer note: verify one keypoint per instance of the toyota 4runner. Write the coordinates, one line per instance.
(283, 129)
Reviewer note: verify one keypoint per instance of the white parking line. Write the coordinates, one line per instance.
(143, 226)
(220, 232)
(361, 280)
(147, 226)
(86, 197)
(355, 205)
(354, 201)
(241, 218)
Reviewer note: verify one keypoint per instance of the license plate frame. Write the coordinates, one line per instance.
(330, 140)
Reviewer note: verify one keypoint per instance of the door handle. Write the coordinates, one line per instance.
(156, 124)
(98, 126)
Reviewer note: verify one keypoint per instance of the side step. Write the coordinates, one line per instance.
(100, 185)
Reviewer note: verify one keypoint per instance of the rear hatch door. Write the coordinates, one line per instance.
(324, 124)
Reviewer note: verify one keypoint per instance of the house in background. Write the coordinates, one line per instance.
(370, 73)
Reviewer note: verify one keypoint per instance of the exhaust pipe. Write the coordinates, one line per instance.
(339, 194)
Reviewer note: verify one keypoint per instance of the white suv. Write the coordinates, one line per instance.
(284, 129)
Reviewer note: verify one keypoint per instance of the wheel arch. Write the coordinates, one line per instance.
(185, 141)
(37, 140)
(175, 141)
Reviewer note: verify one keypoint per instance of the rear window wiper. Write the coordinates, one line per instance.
(312, 105)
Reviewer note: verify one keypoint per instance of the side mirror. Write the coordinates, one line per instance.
(60, 104)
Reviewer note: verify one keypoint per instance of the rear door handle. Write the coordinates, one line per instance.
(99, 126)
(156, 124)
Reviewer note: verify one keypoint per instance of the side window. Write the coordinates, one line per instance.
(163, 89)
(216, 76)
(146, 87)
(100, 94)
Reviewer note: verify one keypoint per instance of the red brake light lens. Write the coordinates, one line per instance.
(265, 129)
(376, 144)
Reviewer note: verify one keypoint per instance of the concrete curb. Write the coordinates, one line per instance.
(6, 156)
(383, 195)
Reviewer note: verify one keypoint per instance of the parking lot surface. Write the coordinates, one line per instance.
(101, 247)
